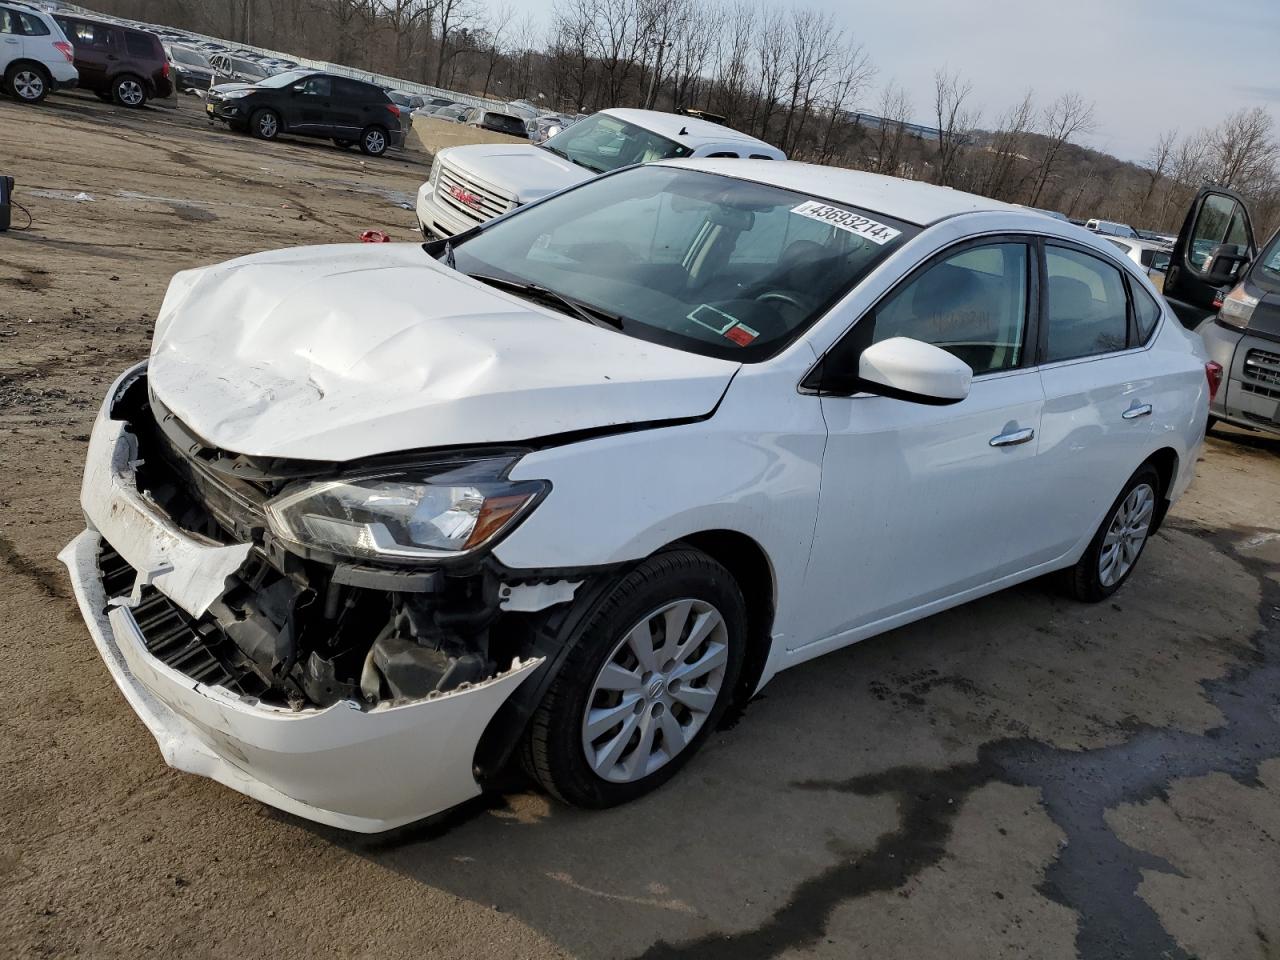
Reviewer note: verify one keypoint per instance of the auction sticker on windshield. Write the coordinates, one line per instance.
(847, 220)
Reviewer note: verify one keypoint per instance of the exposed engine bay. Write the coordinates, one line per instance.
(310, 630)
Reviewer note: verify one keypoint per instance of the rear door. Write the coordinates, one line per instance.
(348, 106)
(1217, 217)
(10, 38)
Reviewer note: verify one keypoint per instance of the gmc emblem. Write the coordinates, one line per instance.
(464, 196)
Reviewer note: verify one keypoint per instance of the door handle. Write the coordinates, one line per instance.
(1140, 410)
(10, 40)
(1013, 438)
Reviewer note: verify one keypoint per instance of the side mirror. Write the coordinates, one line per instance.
(298, 87)
(913, 370)
(1225, 262)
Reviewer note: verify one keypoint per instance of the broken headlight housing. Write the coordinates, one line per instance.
(438, 511)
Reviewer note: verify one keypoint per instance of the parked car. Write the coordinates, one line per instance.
(375, 518)
(454, 112)
(546, 127)
(1151, 256)
(1110, 228)
(116, 62)
(1213, 248)
(35, 56)
(1156, 236)
(470, 184)
(407, 102)
(1244, 337)
(308, 103)
(190, 68)
(229, 68)
(508, 123)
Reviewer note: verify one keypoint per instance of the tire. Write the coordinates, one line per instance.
(1210, 424)
(265, 124)
(683, 587)
(129, 91)
(1105, 565)
(373, 141)
(27, 82)
(343, 144)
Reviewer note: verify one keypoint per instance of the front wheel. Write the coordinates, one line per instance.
(264, 124)
(1115, 548)
(373, 141)
(128, 91)
(648, 677)
(27, 83)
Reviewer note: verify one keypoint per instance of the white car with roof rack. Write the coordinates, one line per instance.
(474, 183)
(373, 520)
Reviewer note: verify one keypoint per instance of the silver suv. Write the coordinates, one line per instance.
(35, 55)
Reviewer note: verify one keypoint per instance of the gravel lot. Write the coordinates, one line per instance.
(1023, 776)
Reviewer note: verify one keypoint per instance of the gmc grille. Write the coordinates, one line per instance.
(488, 202)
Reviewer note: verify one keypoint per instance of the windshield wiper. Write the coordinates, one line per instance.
(574, 160)
(583, 311)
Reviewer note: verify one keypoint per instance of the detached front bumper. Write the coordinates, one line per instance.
(364, 770)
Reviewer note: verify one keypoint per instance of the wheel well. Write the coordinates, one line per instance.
(1165, 460)
(750, 566)
(23, 62)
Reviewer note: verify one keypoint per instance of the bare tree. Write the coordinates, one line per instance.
(732, 54)
(1007, 149)
(895, 111)
(1241, 151)
(1068, 116)
(955, 122)
(850, 78)
(1158, 161)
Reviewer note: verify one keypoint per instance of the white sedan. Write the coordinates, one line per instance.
(372, 521)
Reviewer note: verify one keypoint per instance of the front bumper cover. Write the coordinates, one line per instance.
(364, 770)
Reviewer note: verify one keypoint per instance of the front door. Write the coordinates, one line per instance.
(311, 105)
(922, 503)
(1217, 219)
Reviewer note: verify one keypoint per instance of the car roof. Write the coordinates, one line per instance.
(696, 130)
(909, 200)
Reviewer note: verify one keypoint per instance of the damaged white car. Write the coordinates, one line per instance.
(373, 521)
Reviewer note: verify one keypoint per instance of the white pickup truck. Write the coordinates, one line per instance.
(471, 184)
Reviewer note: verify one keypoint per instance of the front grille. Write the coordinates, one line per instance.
(1271, 393)
(195, 648)
(489, 203)
(1262, 366)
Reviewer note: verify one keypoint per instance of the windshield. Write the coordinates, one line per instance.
(703, 262)
(603, 142)
(284, 79)
(1267, 275)
(192, 58)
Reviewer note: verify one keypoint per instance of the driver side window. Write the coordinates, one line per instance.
(972, 304)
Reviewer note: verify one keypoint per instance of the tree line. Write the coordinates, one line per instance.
(792, 76)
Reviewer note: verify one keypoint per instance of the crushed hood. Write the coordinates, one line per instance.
(341, 352)
(529, 173)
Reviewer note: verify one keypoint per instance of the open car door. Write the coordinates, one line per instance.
(1214, 246)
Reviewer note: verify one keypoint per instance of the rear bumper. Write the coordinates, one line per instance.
(364, 770)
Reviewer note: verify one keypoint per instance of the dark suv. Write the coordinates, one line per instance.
(310, 104)
(118, 63)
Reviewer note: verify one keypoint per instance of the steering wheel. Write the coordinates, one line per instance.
(781, 296)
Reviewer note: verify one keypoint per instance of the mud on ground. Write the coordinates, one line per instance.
(1024, 776)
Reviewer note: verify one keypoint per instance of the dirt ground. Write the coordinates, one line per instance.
(1021, 777)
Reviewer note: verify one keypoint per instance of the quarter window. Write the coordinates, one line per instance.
(1147, 312)
(139, 45)
(973, 304)
(1087, 308)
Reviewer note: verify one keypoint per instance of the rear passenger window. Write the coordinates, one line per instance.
(1147, 312)
(1087, 308)
(139, 46)
(350, 89)
(90, 35)
(973, 304)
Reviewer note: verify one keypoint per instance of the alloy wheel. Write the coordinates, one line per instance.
(1126, 534)
(28, 85)
(130, 92)
(375, 142)
(655, 690)
(268, 125)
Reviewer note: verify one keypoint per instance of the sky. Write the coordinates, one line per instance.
(1149, 65)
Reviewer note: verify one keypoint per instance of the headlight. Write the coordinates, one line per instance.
(236, 94)
(1237, 308)
(434, 174)
(436, 512)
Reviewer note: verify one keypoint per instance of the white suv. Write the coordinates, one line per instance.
(35, 55)
(471, 184)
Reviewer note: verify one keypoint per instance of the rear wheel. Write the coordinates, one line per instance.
(1114, 551)
(27, 83)
(128, 91)
(373, 141)
(264, 124)
(647, 679)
